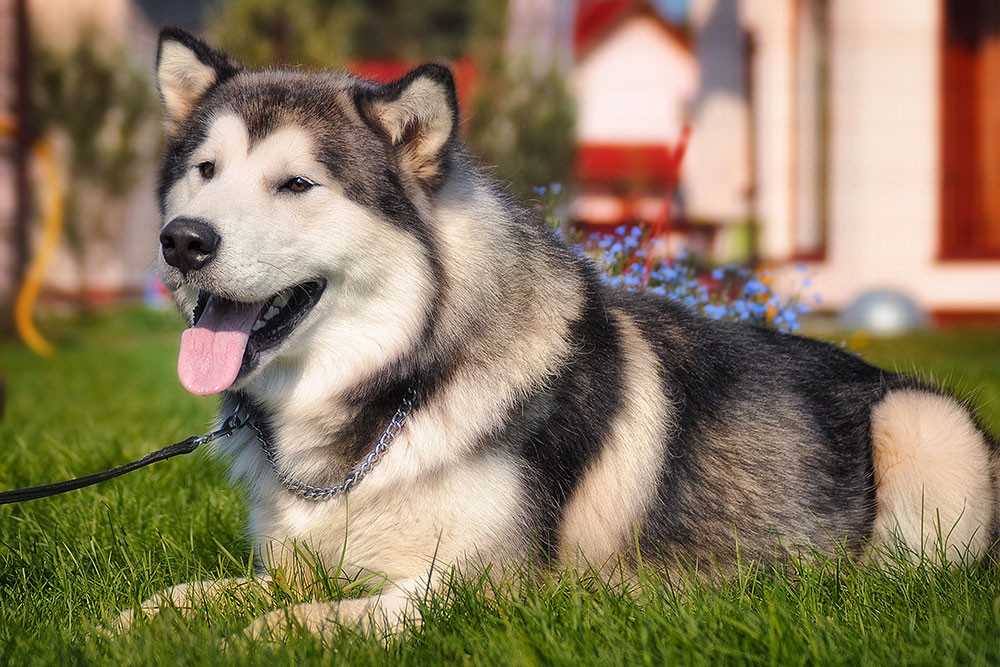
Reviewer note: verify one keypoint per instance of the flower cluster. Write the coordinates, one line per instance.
(725, 293)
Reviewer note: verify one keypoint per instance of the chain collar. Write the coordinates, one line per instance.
(321, 493)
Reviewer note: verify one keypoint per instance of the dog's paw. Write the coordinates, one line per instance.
(118, 627)
(312, 617)
(127, 618)
(180, 597)
(365, 615)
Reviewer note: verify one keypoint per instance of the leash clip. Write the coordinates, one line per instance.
(233, 422)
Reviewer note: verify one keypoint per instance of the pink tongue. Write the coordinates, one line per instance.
(212, 350)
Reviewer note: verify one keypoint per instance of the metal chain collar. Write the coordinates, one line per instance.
(321, 493)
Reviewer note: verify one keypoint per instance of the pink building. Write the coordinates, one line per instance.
(877, 145)
(861, 139)
(634, 76)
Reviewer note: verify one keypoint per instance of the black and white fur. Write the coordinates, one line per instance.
(559, 422)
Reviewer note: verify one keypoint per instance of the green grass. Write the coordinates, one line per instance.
(68, 563)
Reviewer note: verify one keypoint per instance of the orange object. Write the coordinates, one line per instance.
(52, 225)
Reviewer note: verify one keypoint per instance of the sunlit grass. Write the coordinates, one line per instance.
(68, 564)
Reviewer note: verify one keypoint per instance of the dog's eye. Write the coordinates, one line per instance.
(297, 185)
(207, 170)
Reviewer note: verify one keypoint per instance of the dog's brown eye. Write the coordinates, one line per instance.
(207, 170)
(297, 185)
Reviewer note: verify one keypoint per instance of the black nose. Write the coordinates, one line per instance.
(188, 244)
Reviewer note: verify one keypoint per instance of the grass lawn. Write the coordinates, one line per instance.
(68, 563)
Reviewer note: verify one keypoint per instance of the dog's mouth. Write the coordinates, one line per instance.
(227, 337)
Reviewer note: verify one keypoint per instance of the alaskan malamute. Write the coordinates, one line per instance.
(436, 381)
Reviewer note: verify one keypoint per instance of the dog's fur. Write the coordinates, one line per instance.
(558, 421)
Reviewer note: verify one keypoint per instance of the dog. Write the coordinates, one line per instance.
(397, 326)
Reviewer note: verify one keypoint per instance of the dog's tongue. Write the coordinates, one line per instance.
(212, 350)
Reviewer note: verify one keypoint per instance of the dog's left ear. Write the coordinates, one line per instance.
(186, 69)
(418, 116)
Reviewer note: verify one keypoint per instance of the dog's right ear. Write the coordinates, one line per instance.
(186, 69)
(418, 116)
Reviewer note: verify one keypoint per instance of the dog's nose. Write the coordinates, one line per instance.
(188, 244)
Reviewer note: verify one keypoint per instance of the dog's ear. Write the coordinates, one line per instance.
(186, 69)
(418, 116)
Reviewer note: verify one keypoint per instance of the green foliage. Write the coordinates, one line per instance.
(523, 124)
(407, 30)
(92, 96)
(325, 33)
(259, 33)
(68, 563)
(520, 121)
(100, 102)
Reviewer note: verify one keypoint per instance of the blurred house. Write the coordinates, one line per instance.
(876, 142)
(861, 139)
(634, 75)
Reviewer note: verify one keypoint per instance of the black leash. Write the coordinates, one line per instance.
(232, 424)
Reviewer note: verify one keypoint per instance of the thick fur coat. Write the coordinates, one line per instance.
(558, 422)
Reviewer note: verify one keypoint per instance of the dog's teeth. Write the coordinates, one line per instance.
(259, 325)
(271, 312)
(281, 300)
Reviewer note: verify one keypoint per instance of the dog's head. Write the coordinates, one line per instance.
(292, 212)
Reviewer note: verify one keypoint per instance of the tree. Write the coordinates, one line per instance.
(325, 33)
(100, 106)
(523, 124)
(310, 33)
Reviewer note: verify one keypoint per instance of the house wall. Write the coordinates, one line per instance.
(540, 33)
(886, 161)
(770, 22)
(634, 85)
(716, 169)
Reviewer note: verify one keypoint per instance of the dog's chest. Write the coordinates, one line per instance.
(395, 522)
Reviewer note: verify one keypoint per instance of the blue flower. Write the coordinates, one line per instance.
(754, 287)
(715, 311)
(621, 255)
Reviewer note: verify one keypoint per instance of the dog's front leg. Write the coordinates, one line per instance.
(388, 612)
(196, 594)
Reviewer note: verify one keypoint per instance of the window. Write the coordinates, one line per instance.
(970, 130)
(811, 128)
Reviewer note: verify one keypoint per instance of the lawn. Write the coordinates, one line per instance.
(68, 563)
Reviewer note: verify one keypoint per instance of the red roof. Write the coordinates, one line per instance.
(639, 164)
(596, 18)
(386, 71)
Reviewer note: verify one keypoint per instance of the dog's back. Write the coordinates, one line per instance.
(692, 439)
